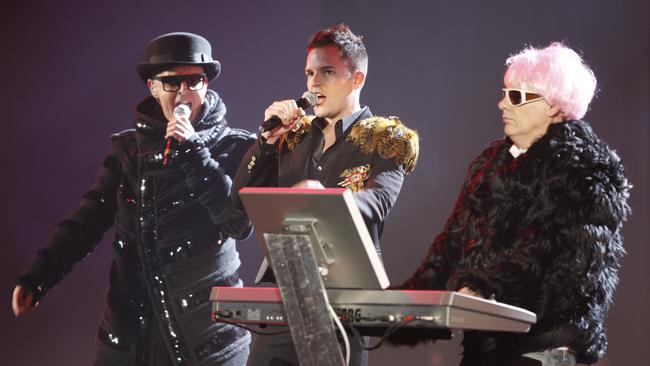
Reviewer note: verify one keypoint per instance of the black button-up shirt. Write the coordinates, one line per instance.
(319, 160)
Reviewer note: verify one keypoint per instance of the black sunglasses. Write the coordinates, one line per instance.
(173, 83)
(520, 96)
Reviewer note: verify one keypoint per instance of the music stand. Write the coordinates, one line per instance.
(345, 252)
(313, 239)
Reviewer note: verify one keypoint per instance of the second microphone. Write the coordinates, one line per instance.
(307, 100)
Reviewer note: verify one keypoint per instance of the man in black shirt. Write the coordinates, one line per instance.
(343, 145)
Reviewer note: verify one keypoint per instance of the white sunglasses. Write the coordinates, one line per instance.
(518, 97)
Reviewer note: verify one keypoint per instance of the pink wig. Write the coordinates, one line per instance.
(557, 73)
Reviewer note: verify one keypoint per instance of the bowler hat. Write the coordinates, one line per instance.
(178, 49)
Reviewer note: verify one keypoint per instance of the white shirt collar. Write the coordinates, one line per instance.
(515, 151)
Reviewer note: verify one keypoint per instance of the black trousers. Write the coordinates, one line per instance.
(278, 350)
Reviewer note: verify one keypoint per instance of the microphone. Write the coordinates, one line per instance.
(180, 111)
(307, 100)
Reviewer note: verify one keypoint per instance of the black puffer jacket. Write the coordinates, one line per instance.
(540, 232)
(174, 230)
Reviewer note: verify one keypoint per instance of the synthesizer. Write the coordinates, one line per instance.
(378, 309)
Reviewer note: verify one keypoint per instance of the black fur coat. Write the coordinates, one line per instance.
(541, 232)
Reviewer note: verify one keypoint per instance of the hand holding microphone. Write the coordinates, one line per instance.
(178, 130)
(282, 116)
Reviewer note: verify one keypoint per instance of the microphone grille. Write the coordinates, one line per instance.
(182, 111)
(310, 97)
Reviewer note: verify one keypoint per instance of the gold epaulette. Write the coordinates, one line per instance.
(293, 137)
(389, 138)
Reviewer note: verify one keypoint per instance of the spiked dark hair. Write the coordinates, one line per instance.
(349, 44)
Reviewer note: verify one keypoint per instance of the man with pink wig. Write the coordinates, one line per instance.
(538, 219)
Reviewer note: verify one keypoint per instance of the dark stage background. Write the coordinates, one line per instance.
(68, 81)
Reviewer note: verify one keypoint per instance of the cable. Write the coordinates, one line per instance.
(344, 334)
(219, 320)
(389, 331)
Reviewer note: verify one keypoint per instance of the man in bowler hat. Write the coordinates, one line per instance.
(165, 187)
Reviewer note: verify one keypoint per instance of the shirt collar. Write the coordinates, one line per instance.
(515, 151)
(349, 120)
(346, 121)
